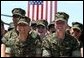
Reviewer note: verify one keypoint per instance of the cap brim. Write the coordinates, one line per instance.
(60, 19)
(17, 14)
(76, 28)
(41, 24)
(23, 22)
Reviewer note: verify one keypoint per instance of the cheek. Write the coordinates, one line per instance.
(27, 29)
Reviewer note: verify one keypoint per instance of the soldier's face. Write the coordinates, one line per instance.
(23, 28)
(41, 29)
(60, 25)
(75, 32)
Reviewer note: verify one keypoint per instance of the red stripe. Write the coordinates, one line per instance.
(33, 13)
(55, 8)
(37, 11)
(46, 8)
(28, 9)
(56, 5)
(50, 11)
(42, 11)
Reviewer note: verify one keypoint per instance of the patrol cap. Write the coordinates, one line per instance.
(42, 22)
(18, 11)
(51, 25)
(77, 25)
(25, 20)
(33, 23)
(61, 16)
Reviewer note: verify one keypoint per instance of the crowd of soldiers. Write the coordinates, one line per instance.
(26, 38)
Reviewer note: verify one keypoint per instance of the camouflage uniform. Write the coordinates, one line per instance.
(59, 48)
(41, 23)
(9, 38)
(26, 48)
(78, 26)
(53, 46)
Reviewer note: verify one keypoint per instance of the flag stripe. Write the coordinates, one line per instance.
(51, 11)
(55, 8)
(46, 8)
(28, 9)
(33, 13)
(42, 11)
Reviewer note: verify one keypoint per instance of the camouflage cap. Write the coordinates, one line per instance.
(33, 23)
(42, 22)
(51, 25)
(25, 20)
(18, 11)
(61, 16)
(77, 25)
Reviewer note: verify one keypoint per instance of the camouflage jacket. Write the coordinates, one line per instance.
(52, 47)
(9, 38)
(29, 48)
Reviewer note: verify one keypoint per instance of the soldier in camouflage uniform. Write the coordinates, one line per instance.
(12, 34)
(76, 32)
(25, 45)
(59, 44)
(41, 30)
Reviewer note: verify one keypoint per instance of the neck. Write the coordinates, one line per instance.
(23, 37)
(60, 34)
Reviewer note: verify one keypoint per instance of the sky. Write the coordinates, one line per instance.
(73, 8)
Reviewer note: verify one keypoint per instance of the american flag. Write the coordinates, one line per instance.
(38, 10)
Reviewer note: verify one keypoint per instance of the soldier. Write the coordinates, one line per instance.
(17, 13)
(42, 28)
(3, 31)
(33, 29)
(42, 32)
(76, 32)
(51, 27)
(25, 45)
(59, 44)
(2, 34)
